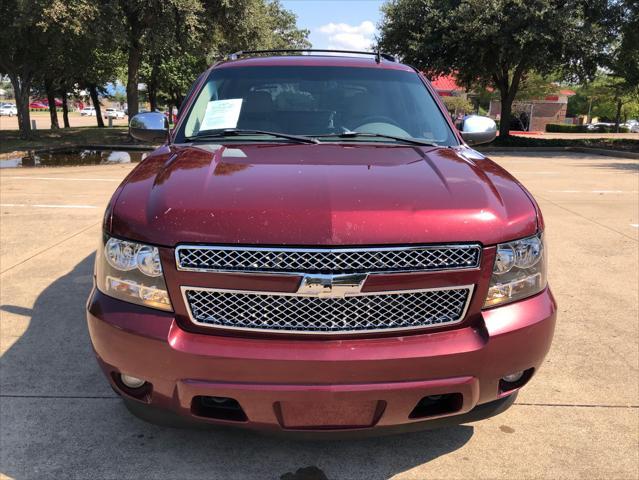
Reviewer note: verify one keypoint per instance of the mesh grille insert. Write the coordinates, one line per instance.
(365, 260)
(306, 314)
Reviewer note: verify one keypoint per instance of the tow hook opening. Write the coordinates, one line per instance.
(219, 408)
(515, 380)
(434, 405)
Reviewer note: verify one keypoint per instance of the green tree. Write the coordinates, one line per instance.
(177, 53)
(605, 98)
(64, 44)
(623, 62)
(456, 105)
(174, 46)
(626, 59)
(82, 48)
(24, 48)
(139, 18)
(251, 24)
(498, 42)
(534, 86)
(282, 28)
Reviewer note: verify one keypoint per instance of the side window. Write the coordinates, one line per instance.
(208, 93)
(190, 92)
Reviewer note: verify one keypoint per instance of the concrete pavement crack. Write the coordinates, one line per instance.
(585, 218)
(48, 248)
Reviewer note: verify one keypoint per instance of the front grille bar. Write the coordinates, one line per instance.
(275, 260)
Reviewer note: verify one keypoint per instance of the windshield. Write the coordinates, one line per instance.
(319, 102)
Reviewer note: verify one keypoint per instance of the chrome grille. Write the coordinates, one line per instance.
(308, 314)
(341, 260)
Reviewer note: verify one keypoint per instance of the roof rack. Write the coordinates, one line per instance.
(378, 55)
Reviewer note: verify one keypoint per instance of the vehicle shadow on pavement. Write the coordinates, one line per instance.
(59, 418)
(626, 167)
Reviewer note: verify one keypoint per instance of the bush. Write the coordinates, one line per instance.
(625, 144)
(565, 128)
(458, 104)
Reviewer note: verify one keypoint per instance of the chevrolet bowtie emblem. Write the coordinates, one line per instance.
(332, 286)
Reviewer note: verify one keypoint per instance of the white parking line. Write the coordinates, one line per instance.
(634, 225)
(64, 178)
(45, 205)
(593, 191)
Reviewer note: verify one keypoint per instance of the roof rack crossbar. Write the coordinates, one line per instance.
(378, 55)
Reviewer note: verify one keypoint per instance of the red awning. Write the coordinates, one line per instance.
(446, 83)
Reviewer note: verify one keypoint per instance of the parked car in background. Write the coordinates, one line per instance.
(38, 105)
(316, 247)
(599, 126)
(632, 126)
(8, 109)
(88, 112)
(113, 113)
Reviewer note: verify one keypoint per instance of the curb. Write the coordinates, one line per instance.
(595, 151)
(62, 148)
(135, 147)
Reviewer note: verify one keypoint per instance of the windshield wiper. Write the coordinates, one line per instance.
(351, 134)
(237, 132)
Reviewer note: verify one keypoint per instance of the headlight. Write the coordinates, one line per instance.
(519, 271)
(132, 272)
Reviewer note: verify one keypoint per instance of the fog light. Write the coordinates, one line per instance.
(513, 377)
(131, 382)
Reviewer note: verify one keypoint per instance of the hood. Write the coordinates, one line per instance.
(324, 194)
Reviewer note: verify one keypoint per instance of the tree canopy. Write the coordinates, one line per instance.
(61, 45)
(500, 42)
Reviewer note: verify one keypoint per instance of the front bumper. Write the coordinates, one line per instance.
(337, 384)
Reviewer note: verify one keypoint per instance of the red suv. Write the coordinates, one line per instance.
(316, 247)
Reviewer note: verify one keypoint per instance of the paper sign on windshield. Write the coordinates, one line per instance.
(222, 114)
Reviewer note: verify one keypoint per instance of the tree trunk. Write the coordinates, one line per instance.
(153, 98)
(21, 88)
(53, 111)
(508, 90)
(618, 115)
(506, 109)
(179, 99)
(133, 64)
(65, 107)
(93, 90)
(152, 86)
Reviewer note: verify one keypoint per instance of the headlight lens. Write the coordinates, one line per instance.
(132, 272)
(519, 271)
(121, 255)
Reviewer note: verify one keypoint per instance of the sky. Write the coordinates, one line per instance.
(338, 25)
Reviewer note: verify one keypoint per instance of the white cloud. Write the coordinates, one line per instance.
(342, 36)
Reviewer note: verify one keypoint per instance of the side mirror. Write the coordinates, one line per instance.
(149, 127)
(477, 130)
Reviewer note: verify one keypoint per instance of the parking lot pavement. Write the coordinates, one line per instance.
(579, 418)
